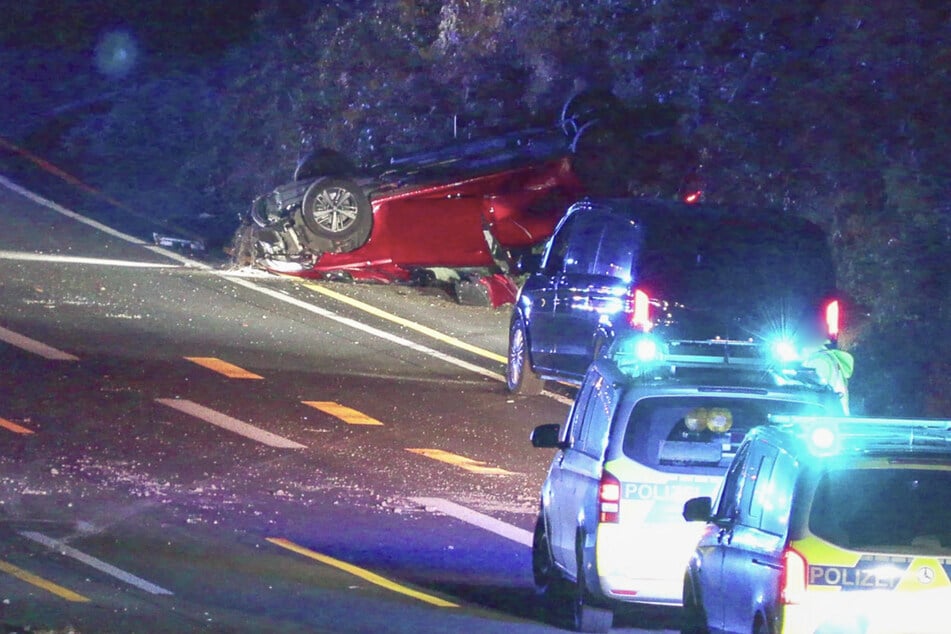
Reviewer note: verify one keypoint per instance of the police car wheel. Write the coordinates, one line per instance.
(587, 616)
(519, 376)
(543, 568)
(761, 626)
(693, 620)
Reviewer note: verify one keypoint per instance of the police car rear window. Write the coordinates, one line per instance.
(889, 510)
(698, 434)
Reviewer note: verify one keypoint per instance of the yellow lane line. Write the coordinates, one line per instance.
(39, 582)
(366, 575)
(412, 325)
(223, 367)
(475, 466)
(344, 413)
(16, 429)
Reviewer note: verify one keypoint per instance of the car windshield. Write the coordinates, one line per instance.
(886, 509)
(698, 434)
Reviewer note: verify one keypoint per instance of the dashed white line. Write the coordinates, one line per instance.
(34, 346)
(475, 518)
(98, 564)
(231, 424)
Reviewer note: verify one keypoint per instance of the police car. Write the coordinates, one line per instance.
(827, 525)
(653, 424)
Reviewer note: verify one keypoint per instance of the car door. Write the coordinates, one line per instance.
(710, 549)
(746, 563)
(562, 505)
(584, 465)
(593, 286)
(578, 471)
(537, 297)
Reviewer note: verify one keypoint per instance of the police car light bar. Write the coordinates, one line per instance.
(930, 423)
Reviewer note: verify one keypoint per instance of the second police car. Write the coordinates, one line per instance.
(827, 525)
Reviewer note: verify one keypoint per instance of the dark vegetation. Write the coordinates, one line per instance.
(829, 109)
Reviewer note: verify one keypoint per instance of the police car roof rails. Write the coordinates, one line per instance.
(705, 352)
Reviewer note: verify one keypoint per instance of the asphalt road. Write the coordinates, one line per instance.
(187, 448)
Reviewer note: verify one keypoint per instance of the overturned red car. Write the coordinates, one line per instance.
(472, 207)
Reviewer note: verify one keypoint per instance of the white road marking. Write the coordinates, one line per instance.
(74, 259)
(370, 330)
(98, 564)
(475, 518)
(271, 293)
(34, 346)
(231, 424)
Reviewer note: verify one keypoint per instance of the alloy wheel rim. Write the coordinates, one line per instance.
(335, 209)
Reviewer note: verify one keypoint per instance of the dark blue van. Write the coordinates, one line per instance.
(689, 277)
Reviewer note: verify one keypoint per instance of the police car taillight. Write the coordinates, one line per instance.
(609, 499)
(832, 320)
(793, 582)
(639, 311)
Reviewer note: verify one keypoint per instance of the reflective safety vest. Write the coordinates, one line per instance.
(834, 368)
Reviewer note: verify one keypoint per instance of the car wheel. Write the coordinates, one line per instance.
(588, 617)
(761, 627)
(543, 566)
(693, 619)
(338, 210)
(519, 376)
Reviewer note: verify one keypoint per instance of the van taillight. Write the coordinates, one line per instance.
(609, 499)
(793, 582)
(639, 311)
(832, 320)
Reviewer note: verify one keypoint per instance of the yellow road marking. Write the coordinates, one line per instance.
(17, 429)
(366, 575)
(39, 582)
(223, 367)
(412, 325)
(476, 466)
(344, 413)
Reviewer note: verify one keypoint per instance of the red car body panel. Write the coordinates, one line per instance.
(443, 225)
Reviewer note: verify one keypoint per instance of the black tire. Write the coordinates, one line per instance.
(761, 626)
(588, 616)
(519, 376)
(693, 620)
(337, 209)
(544, 573)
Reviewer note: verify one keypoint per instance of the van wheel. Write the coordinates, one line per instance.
(519, 376)
(588, 617)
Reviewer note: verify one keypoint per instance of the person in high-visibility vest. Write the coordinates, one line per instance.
(834, 368)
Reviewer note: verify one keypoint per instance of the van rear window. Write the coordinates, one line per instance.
(698, 434)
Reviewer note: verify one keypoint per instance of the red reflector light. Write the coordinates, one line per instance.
(693, 197)
(640, 311)
(832, 319)
(609, 499)
(792, 585)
